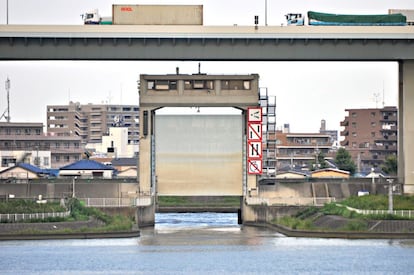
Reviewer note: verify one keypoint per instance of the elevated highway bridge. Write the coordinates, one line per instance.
(221, 43)
(231, 43)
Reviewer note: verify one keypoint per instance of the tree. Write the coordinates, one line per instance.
(344, 161)
(390, 165)
(319, 162)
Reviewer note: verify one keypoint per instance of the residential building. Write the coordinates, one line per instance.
(88, 169)
(115, 145)
(26, 142)
(370, 135)
(92, 121)
(300, 150)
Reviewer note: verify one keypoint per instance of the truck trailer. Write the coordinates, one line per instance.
(148, 15)
(332, 19)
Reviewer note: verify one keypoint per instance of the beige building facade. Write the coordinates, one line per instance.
(92, 121)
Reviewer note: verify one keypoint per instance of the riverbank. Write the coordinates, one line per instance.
(61, 230)
(329, 226)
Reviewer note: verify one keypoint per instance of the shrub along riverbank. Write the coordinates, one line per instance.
(343, 219)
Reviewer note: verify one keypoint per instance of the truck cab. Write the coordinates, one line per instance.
(295, 19)
(91, 18)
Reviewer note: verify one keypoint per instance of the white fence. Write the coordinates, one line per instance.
(403, 213)
(317, 201)
(32, 216)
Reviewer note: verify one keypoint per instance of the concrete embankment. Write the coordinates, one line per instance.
(336, 234)
(42, 231)
(61, 236)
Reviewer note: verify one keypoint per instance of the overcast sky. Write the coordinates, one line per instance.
(306, 92)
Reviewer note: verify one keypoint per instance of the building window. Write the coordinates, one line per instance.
(354, 114)
(162, 85)
(235, 84)
(203, 84)
(38, 132)
(8, 131)
(150, 85)
(372, 134)
(37, 161)
(76, 145)
(354, 134)
(57, 158)
(18, 132)
(76, 158)
(187, 85)
(46, 161)
(372, 114)
(57, 145)
(373, 124)
(354, 144)
(67, 158)
(27, 131)
(354, 125)
(66, 144)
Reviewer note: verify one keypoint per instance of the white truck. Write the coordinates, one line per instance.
(148, 15)
(407, 13)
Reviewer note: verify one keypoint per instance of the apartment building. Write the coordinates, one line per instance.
(26, 142)
(92, 121)
(370, 135)
(300, 150)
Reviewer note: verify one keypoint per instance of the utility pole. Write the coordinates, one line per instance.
(390, 199)
(8, 99)
(7, 12)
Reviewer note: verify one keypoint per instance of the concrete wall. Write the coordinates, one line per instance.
(199, 155)
(61, 190)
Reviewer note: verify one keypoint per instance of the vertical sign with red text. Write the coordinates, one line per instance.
(254, 141)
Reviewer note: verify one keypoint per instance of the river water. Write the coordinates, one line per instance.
(207, 243)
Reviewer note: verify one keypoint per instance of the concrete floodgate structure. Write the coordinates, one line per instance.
(184, 155)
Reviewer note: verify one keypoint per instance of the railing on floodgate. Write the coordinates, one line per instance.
(16, 217)
(316, 201)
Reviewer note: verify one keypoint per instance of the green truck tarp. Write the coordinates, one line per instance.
(357, 19)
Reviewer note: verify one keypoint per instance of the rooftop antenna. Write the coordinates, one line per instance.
(383, 95)
(199, 67)
(376, 98)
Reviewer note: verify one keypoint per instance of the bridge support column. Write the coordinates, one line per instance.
(145, 215)
(406, 126)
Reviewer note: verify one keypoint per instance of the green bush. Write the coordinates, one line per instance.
(19, 206)
(294, 223)
(308, 212)
(356, 225)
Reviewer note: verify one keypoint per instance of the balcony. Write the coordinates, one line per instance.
(344, 123)
(345, 143)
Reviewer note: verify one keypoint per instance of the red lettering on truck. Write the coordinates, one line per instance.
(126, 8)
